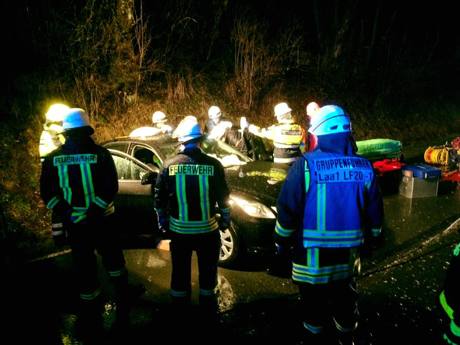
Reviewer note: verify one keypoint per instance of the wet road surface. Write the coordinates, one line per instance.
(398, 288)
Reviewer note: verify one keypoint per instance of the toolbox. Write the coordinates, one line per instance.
(419, 181)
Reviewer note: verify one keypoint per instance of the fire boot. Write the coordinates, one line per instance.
(89, 324)
(122, 302)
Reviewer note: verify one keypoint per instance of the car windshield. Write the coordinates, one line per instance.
(226, 154)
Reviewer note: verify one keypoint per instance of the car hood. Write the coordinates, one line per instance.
(261, 180)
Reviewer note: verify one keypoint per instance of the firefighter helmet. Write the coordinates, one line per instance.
(282, 109)
(330, 119)
(158, 117)
(188, 129)
(214, 112)
(56, 112)
(75, 118)
(312, 108)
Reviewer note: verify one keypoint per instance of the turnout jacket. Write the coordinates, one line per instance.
(330, 198)
(450, 295)
(78, 176)
(287, 139)
(187, 191)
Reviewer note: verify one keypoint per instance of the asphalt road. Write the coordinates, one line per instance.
(398, 288)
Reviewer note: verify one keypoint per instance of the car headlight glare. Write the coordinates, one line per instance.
(253, 208)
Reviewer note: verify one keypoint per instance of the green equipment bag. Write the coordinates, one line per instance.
(377, 149)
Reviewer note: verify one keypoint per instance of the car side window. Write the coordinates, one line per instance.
(146, 156)
(128, 169)
(119, 146)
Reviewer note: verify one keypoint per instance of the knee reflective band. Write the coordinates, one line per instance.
(343, 329)
(90, 296)
(207, 292)
(313, 329)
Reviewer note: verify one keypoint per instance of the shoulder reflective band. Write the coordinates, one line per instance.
(307, 177)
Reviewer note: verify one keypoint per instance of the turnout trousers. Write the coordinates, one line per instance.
(207, 248)
(98, 235)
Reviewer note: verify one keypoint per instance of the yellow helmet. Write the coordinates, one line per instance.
(56, 112)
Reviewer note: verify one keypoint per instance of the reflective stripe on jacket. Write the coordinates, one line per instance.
(335, 196)
(76, 175)
(188, 190)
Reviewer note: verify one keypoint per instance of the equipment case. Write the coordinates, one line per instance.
(419, 181)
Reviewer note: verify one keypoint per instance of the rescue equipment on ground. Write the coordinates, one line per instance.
(389, 174)
(378, 149)
(387, 165)
(452, 176)
(437, 155)
(419, 181)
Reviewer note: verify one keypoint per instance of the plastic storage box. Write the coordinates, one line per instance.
(419, 181)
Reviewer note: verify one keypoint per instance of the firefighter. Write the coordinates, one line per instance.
(51, 137)
(329, 203)
(79, 182)
(245, 141)
(449, 300)
(216, 127)
(308, 140)
(187, 192)
(159, 121)
(286, 135)
(159, 126)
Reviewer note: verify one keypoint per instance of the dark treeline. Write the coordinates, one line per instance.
(377, 51)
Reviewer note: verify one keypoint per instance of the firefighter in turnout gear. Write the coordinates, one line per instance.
(286, 135)
(159, 121)
(329, 203)
(189, 190)
(51, 138)
(449, 300)
(216, 127)
(308, 140)
(159, 127)
(79, 182)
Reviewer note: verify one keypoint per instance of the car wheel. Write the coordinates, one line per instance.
(229, 250)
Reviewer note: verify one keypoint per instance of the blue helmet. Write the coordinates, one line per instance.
(330, 119)
(75, 118)
(188, 129)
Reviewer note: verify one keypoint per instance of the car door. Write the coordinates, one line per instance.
(134, 200)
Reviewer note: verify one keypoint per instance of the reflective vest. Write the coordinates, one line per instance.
(287, 138)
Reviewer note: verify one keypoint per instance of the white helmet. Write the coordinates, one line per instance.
(188, 129)
(158, 117)
(56, 112)
(282, 109)
(75, 118)
(330, 119)
(312, 108)
(214, 112)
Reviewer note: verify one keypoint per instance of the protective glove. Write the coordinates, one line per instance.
(163, 225)
(94, 212)
(224, 220)
(280, 264)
